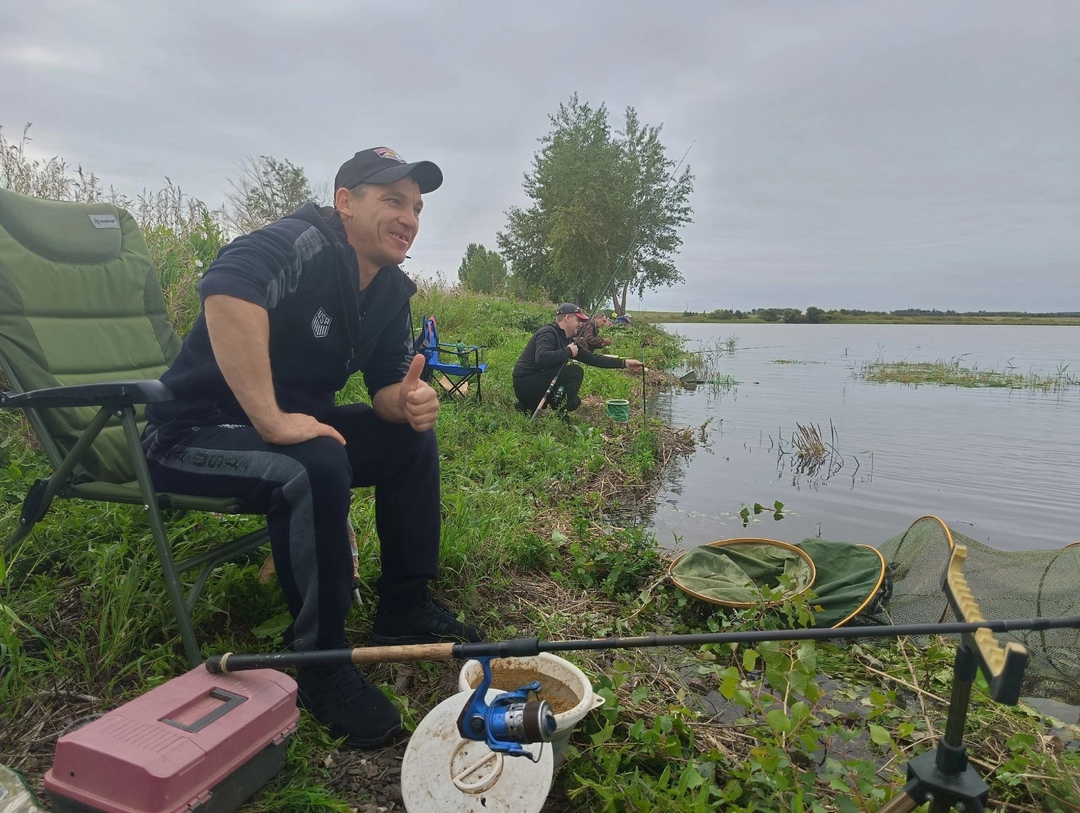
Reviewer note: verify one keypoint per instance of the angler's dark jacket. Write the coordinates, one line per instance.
(548, 348)
(302, 269)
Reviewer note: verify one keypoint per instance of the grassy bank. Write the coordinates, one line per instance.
(527, 551)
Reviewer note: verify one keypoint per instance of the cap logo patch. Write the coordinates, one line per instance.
(386, 152)
(320, 325)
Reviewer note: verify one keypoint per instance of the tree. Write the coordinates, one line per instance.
(268, 188)
(793, 316)
(482, 270)
(605, 214)
(769, 314)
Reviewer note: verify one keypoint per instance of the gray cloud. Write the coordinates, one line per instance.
(871, 154)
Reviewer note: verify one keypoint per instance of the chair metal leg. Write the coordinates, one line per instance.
(208, 561)
(457, 387)
(27, 519)
(161, 538)
(37, 502)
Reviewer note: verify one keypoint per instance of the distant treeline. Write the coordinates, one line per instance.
(813, 315)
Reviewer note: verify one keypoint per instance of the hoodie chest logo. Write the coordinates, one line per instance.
(320, 325)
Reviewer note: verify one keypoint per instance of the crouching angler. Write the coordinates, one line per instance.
(547, 351)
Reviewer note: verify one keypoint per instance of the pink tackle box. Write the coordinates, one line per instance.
(201, 742)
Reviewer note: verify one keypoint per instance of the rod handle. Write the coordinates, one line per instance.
(231, 662)
(401, 654)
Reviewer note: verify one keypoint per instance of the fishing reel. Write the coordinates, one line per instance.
(509, 720)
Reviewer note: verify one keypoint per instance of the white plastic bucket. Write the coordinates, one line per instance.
(554, 674)
(445, 773)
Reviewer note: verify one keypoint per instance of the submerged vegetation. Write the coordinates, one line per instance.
(954, 374)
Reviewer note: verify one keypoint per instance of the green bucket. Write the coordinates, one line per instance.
(618, 410)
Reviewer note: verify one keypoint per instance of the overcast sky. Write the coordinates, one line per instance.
(874, 154)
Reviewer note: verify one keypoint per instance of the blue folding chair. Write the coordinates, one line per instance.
(453, 376)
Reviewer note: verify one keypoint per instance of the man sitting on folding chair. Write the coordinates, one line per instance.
(289, 313)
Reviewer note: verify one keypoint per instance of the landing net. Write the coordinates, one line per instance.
(1006, 585)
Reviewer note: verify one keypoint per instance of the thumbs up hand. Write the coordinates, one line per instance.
(418, 402)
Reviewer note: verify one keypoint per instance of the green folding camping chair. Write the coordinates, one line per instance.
(84, 336)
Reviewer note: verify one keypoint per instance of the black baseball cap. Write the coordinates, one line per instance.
(570, 307)
(382, 165)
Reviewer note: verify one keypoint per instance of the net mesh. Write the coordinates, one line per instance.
(1005, 584)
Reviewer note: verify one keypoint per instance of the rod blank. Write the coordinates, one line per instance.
(524, 647)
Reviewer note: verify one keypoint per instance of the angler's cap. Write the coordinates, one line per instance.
(381, 165)
(569, 307)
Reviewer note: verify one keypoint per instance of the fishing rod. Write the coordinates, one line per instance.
(1004, 666)
(619, 267)
(972, 624)
(529, 647)
(510, 719)
(644, 403)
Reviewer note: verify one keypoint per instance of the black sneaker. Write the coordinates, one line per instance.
(427, 623)
(349, 704)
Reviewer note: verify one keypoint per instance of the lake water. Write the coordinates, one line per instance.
(1000, 466)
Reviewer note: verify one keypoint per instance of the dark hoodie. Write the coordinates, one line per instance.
(302, 269)
(548, 348)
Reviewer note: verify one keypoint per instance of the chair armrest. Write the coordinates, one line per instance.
(105, 393)
(454, 347)
(462, 351)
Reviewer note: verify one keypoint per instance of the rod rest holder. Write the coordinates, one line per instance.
(1003, 666)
